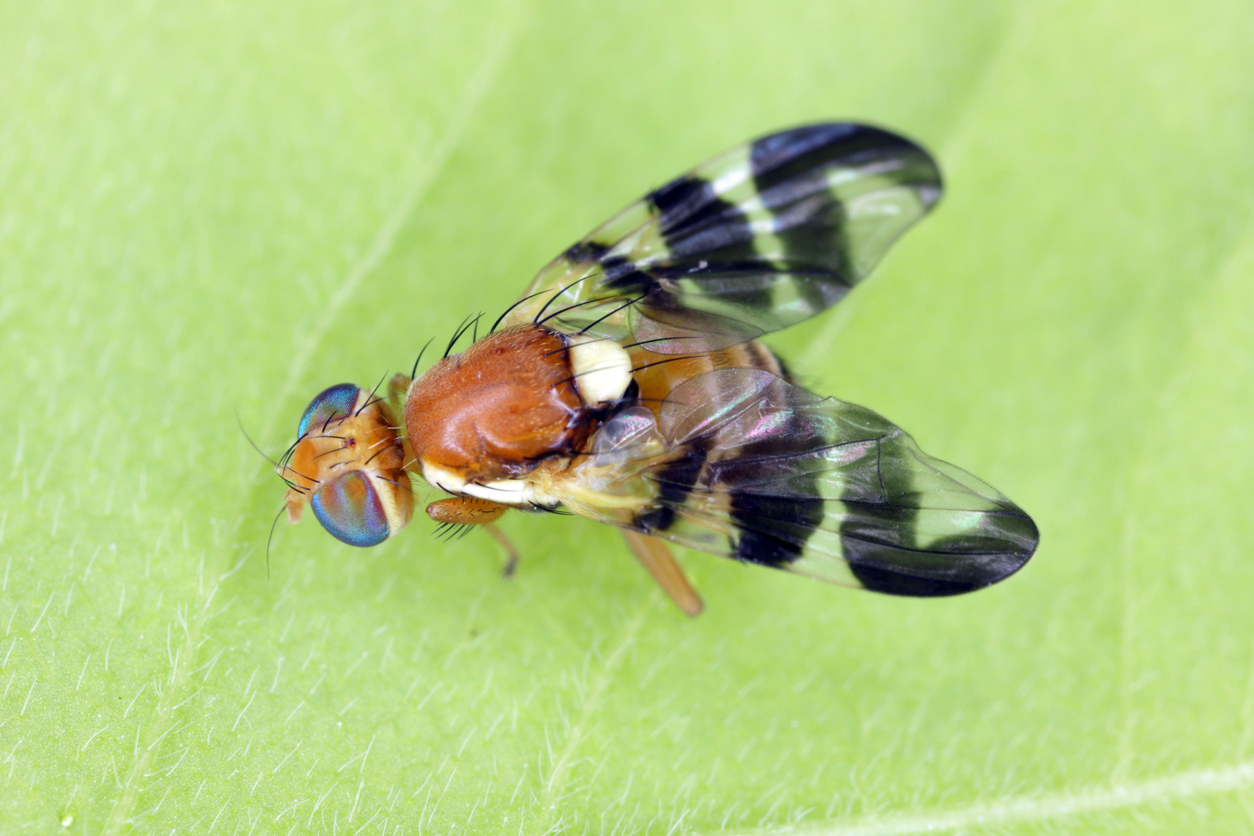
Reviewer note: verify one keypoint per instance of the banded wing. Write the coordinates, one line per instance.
(755, 240)
(745, 464)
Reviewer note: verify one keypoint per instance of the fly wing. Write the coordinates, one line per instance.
(759, 238)
(780, 477)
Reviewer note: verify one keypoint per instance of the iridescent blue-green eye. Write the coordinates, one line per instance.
(350, 508)
(327, 406)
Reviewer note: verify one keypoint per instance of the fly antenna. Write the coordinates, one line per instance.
(270, 539)
(253, 444)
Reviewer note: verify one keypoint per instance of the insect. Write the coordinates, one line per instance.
(628, 386)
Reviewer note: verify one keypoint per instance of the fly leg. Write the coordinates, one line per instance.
(511, 562)
(471, 510)
(660, 563)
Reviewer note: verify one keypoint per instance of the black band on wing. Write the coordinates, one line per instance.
(892, 582)
(790, 170)
(889, 567)
(787, 154)
(623, 276)
(700, 230)
(692, 218)
(787, 496)
(888, 533)
(800, 517)
(676, 480)
(585, 251)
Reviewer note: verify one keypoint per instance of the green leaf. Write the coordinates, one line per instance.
(216, 210)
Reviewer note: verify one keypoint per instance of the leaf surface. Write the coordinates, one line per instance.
(217, 210)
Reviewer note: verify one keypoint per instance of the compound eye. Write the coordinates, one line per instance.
(350, 508)
(327, 406)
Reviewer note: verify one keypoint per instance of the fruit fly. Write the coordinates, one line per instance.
(628, 386)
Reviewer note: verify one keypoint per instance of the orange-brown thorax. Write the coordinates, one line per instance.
(499, 408)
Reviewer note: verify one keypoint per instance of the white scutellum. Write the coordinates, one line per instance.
(602, 369)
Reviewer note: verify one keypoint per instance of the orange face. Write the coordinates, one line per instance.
(349, 465)
(496, 410)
